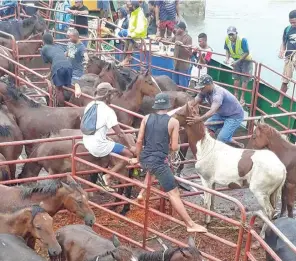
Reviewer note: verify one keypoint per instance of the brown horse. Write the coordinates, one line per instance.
(15, 248)
(57, 166)
(80, 242)
(268, 137)
(31, 222)
(120, 77)
(142, 85)
(95, 65)
(51, 195)
(36, 120)
(9, 131)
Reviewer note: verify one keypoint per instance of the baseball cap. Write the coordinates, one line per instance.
(181, 25)
(203, 81)
(231, 30)
(103, 89)
(162, 102)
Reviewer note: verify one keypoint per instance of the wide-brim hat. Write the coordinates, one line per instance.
(162, 102)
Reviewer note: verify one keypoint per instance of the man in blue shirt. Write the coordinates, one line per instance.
(75, 52)
(224, 107)
(237, 48)
(61, 68)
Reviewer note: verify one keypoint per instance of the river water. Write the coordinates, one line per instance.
(262, 22)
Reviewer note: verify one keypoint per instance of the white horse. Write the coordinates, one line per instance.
(220, 163)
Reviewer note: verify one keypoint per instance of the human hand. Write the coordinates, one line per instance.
(193, 120)
(178, 43)
(133, 161)
(281, 54)
(77, 93)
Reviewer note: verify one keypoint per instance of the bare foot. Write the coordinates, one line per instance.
(277, 104)
(197, 228)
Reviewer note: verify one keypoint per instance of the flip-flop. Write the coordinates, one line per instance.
(101, 182)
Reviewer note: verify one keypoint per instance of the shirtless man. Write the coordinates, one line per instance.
(159, 133)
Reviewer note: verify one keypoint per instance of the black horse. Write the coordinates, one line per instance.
(24, 28)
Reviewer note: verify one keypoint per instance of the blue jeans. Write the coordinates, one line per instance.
(181, 79)
(227, 129)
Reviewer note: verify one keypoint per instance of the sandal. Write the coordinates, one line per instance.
(101, 182)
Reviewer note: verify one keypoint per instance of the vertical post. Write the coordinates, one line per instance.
(148, 189)
(16, 68)
(149, 60)
(291, 107)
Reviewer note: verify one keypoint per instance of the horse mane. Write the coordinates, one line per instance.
(35, 209)
(116, 253)
(29, 21)
(5, 130)
(47, 187)
(15, 94)
(131, 84)
(268, 130)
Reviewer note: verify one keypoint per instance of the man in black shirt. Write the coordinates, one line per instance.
(288, 51)
(79, 11)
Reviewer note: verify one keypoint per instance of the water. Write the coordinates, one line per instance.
(262, 22)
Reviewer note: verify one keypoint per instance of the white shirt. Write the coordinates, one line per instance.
(98, 145)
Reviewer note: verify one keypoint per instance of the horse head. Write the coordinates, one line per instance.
(40, 25)
(40, 225)
(76, 200)
(146, 83)
(95, 65)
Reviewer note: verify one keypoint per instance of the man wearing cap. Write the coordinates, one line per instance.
(159, 133)
(237, 48)
(183, 42)
(98, 144)
(224, 107)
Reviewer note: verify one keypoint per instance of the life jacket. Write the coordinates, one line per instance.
(238, 53)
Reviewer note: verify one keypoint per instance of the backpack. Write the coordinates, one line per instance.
(287, 30)
(88, 125)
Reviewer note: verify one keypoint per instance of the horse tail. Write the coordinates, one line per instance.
(31, 169)
(274, 197)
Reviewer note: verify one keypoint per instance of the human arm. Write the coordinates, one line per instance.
(283, 45)
(156, 11)
(175, 135)
(227, 54)
(177, 10)
(140, 140)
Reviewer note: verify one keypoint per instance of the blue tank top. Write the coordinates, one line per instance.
(156, 139)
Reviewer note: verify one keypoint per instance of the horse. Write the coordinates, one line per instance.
(95, 65)
(120, 77)
(80, 242)
(9, 131)
(142, 85)
(21, 30)
(15, 248)
(51, 195)
(32, 169)
(31, 222)
(268, 137)
(220, 163)
(36, 120)
(288, 227)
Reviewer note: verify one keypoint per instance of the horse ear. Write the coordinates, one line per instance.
(66, 186)
(262, 120)
(191, 242)
(115, 241)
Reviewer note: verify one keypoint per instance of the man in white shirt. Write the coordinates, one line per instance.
(98, 144)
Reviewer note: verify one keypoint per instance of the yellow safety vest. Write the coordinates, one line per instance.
(238, 53)
(138, 24)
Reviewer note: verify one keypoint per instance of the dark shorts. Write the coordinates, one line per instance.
(243, 67)
(62, 77)
(118, 148)
(163, 173)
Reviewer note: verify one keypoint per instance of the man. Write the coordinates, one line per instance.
(288, 51)
(202, 54)
(238, 49)
(79, 11)
(152, 28)
(137, 28)
(64, 6)
(98, 144)
(159, 133)
(75, 52)
(224, 107)
(167, 14)
(30, 8)
(182, 38)
(61, 68)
